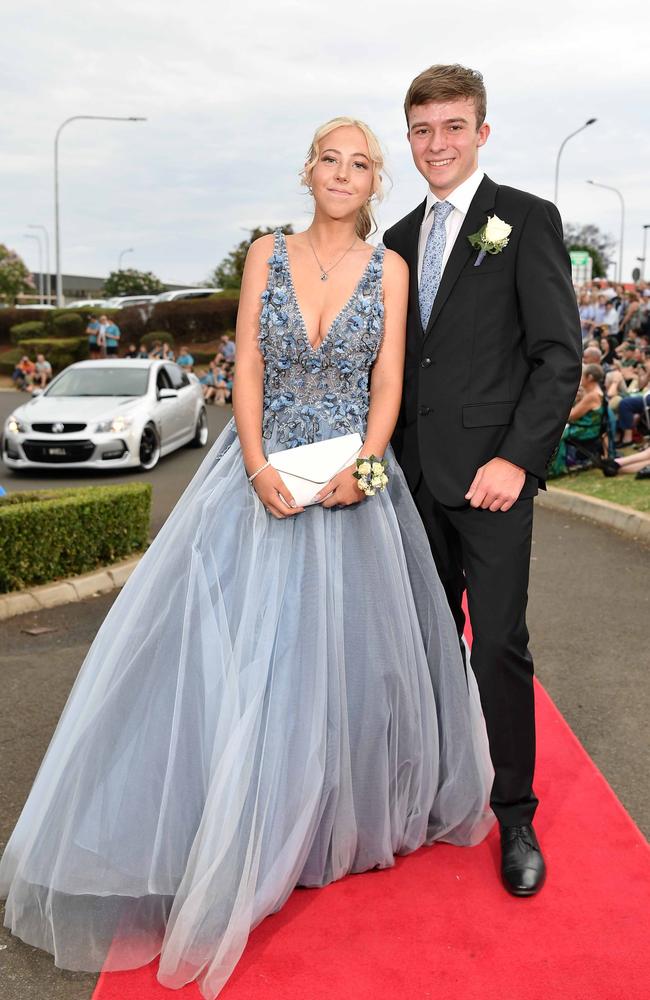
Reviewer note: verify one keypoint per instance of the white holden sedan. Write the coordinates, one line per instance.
(107, 414)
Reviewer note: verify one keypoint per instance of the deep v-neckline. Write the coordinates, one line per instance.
(337, 317)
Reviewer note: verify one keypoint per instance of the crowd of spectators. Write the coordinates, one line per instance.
(611, 411)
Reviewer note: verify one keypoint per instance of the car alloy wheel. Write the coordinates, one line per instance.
(149, 448)
(200, 438)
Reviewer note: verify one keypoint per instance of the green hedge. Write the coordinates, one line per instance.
(184, 320)
(25, 331)
(9, 360)
(59, 352)
(52, 320)
(49, 534)
(69, 324)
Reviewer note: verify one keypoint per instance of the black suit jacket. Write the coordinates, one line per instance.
(495, 372)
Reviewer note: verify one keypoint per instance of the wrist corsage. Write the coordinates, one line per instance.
(371, 475)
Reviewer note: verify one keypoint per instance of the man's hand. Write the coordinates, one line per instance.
(496, 486)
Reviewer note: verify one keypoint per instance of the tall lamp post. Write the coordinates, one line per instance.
(608, 187)
(119, 259)
(48, 275)
(57, 233)
(32, 236)
(645, 245)
(590, 121)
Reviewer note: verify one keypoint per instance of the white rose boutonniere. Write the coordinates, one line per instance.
(491, 238)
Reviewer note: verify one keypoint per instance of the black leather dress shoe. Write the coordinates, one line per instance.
(523, 870)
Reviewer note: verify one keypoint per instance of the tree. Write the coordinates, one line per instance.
(589, 238)
(15, 276)
(229, 272)
(132, 282)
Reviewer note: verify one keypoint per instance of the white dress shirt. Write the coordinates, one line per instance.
(460, 198)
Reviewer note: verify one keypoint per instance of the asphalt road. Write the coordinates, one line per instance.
(589, 609)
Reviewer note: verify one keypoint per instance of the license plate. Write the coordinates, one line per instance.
(56, 451)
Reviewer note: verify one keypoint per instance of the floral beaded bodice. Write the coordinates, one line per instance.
(311, 391)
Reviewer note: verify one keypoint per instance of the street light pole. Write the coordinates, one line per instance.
(590, 121)
(645, 244)
(32, 236)
(608, 187)
(119, 259)
(48, 276)
(57, 233)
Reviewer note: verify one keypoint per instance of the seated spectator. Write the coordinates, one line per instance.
(112, 334)
(586, 310)
(23, 373)
(156, 349)
(185, 359)
(142, 351)
(585, 421)
(93, 330)
(132, 351)
(637, 464)
(634, 404)
(591, 355)
(167, 352)
(43, 372)
(228, 350)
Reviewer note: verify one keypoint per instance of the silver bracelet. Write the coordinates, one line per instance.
(261, 469)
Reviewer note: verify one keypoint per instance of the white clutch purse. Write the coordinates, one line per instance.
(309, 467)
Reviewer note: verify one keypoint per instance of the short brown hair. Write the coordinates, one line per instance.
(448, 83)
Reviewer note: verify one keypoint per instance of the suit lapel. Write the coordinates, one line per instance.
(413, 242)
(482, 203)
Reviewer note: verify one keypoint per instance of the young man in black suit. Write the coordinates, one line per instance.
(492, 368)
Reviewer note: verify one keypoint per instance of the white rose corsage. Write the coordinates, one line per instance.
(371, 475)
(491, 238)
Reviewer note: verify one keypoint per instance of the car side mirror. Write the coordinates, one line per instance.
(167, 394)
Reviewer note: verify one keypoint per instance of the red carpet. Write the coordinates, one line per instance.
(438, 925)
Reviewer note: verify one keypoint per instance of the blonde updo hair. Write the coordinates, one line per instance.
(366, 223)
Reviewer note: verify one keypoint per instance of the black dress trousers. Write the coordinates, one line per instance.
(488, 554)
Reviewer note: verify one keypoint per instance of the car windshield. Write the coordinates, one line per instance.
(102, 381)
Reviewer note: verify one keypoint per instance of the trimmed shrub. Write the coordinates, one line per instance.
(49, 534)
(162, 335)
(12, 317)
(59, 352)
(25, 331)
(195, 320)
(69, 324)
(9, 360)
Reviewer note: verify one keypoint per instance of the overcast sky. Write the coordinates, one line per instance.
(232, 92)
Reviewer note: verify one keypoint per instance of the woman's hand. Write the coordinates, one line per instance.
(274, 494)
(342, 489)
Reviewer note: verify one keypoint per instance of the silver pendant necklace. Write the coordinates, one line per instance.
(324, 273)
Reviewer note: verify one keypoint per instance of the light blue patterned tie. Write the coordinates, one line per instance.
(432, 263)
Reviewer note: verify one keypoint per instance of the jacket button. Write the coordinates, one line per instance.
(426, 363)
(424, 411)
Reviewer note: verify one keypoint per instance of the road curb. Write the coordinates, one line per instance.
(75, 588)
(628, 522)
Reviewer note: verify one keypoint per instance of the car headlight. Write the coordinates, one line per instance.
(114, 425)
(16, 426)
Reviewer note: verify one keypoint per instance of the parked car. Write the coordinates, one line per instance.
(87, 304)
(186, 293)
(107, 414)
(123, 301)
